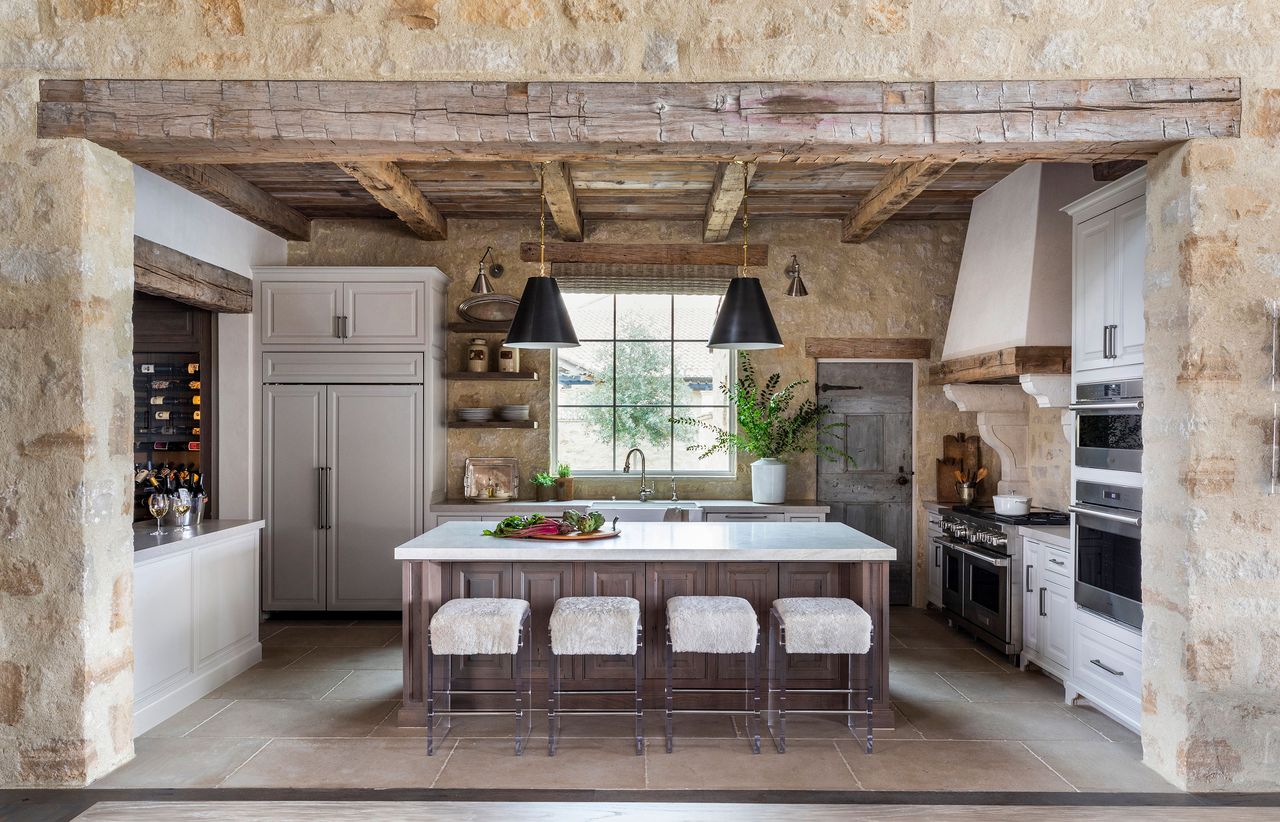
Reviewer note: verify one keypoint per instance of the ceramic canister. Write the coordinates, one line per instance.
(478, 355)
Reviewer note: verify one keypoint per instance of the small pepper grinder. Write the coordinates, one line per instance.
(478, 356)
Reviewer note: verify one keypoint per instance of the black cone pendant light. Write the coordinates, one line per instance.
(541, 320)
(745, 320)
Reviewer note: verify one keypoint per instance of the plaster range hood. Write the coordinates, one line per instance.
(1009, 335)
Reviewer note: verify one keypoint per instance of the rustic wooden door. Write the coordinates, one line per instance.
(872, 492)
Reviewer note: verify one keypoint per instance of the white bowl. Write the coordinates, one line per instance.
(1012, 505)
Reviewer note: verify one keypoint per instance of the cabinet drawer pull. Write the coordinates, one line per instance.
(1029, 588)
(1106, 668)
(745, 516)
(1042, 590)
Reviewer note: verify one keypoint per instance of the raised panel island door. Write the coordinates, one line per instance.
(871, 404)
(300, 313)
(385, 313)
(541, 584)
(757, 583)
(293, 440)
(375, 453)
(612, 579)
(665, 580)
(473, 580)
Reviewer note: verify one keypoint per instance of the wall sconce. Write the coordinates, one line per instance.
(482, 285)
(796, 288)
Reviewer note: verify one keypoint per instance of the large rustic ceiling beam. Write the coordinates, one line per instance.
(239, 196)
(557, 190)
(646, 253)
(899, 187)
(399, 195)
(198, 121)
(165, 272)
(727, 191)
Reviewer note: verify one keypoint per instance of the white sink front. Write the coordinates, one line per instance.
(652, 511)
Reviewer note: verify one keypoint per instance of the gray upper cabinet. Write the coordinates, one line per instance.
(294, 445)
(301, 313)
(385, 313)
(375, 455)
(307, 313)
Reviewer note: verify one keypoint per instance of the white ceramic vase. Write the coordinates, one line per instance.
(768, 480)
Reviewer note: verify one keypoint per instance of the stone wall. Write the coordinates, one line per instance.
(1048, 457)
(1211, 573)
(897, 285)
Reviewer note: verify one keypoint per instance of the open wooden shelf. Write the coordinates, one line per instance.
(526, 424)
(479, 328)
(526, 376)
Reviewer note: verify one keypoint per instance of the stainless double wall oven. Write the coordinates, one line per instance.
(1109, 425)
(1108, 531)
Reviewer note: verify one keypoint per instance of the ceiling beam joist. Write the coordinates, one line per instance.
(899, 187)
(399, 195)
(164, 272)
(727, 191)
(239, 196)
(195, 121)
(646, 253)
(557, 189)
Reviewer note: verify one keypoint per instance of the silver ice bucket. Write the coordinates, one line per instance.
(193, 517)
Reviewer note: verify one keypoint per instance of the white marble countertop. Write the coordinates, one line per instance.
(728, 506)
(660, 541)
(146, 546)
(1055, 534)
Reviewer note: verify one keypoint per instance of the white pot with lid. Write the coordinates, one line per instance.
(1012, 505)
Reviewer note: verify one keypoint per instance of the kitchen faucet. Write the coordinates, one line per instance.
(646, 490)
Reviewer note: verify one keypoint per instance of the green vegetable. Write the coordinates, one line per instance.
(544, 479)
(518, 526)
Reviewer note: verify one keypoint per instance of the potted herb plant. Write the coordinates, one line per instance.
(564, 482)
(768, 429)
(544, 484)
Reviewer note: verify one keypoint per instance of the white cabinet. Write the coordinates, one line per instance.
(933, 556)
(1106, 667)
(342, 487)
(330, 311)
(1108, 263)
(1047, 606)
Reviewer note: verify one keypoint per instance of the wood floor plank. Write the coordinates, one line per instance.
(648, 811)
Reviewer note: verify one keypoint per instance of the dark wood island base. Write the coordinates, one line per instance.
(427, 584)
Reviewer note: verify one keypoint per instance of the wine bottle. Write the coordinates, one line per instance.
(194, 385)
(160, 385)
(173, 415)
(197, 485)
(195, 400)
(157, 400)
(193, 368)
(157, 368)
(193, 446)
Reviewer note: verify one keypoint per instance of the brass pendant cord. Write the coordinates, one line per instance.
(746, 214)
(542, 220)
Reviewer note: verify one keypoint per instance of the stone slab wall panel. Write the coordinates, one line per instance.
(1212, 230)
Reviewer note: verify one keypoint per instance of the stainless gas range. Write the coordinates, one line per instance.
(980, 553)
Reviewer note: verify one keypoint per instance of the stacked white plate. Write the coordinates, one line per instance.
(514, 412)
(475, 414)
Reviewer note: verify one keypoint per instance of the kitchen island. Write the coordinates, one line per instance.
(651, 561)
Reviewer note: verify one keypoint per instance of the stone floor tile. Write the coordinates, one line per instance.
(941, 660)
(817, 727)
(180, 763)
(588, 763)
(809, 764)
(189, 717)
(280, 656)
(265, 718)
(903, 765)
(995, 720)
(368, 684)
(1101, 766)
(334, 636)
(326, 763)
(280, 683)
(1020, 687)
(1110, 729)
(923, 686)
(351, 659)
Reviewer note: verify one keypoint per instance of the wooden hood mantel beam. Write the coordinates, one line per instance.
(224, 121)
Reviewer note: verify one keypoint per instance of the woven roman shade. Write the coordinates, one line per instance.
(642, 278)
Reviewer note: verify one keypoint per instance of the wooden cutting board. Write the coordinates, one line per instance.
(959, 451)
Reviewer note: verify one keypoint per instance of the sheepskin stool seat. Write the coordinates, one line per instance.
(714, 625)
(462, 627)
(817, 625)
(595, 626)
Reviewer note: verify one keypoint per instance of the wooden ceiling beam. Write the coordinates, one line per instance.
(239, 196)
(727, 191)
(226, 121)
(557, 190)
(646, 253)
(895, 190)
(165, 272)
(399, 195)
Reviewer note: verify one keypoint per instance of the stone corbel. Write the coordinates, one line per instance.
(1002, 424)
(1052, 391)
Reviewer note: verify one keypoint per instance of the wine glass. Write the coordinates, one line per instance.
(181, 505)
(158, 505)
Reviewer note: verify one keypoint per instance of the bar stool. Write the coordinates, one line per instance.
(462, 627)
(817, 625)
(589, 626)
(715, 625)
